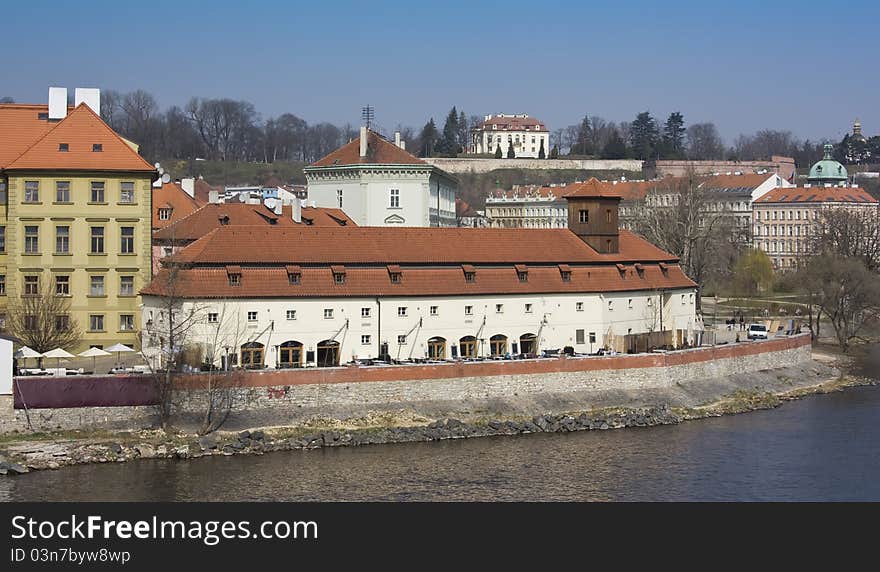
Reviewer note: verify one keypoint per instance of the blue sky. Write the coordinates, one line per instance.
(806, 66)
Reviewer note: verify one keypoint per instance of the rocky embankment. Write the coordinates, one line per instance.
(23, 456)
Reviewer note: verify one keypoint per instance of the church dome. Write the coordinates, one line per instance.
(828, 170)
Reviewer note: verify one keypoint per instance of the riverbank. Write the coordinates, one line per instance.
(767, 389)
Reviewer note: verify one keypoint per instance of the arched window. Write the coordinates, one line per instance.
(498, 345)
(528, 344)
(328, 353)
(290, 354)
(467, 347)
(437, 348)
(252, 354)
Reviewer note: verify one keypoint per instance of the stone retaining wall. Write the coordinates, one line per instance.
(290, 396)
(486, 165)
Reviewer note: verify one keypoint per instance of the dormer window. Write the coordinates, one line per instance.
(664, 269)
(470, 273)
(640, 270)
(294, 275)
(223, 219)
(395, 273)
(63, 147)
(97, 147)
(164, 214)
(622, 269)
(338, 274)
(565, 272)
(522, 272)
(233, 273)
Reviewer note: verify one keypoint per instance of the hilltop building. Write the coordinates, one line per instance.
(525, 134)
(347, 293)
(75, 215)
(378, 183)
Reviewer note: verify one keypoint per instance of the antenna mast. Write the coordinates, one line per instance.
(367, 115)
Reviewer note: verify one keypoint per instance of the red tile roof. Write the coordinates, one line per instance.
(171, 195)
(80, 130)
(20, 127)
(512, 124)
(203, 220)
(592, 188)
(203, 190)
(379, 151)
(269, 282)
(818, 195)
(389, 245)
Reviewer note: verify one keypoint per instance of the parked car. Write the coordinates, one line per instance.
(757, 332)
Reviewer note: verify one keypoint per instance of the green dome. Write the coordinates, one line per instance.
(828, 170)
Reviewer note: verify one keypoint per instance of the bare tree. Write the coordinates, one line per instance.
(678, 219)
(845, 291)
(849, 232)
(704, 142)
(43, 322)
(167, 334)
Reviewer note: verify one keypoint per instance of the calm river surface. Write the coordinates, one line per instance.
(819, 448)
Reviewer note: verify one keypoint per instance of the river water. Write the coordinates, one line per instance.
(819, 448)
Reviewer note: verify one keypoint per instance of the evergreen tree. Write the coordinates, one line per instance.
(584, 135)
(541, 153)
(554, 152)
(464, 132)
(615, 148)
(673, 136)
(448, 144)
(511, 154)
(498, 154)
(428, 139)
(643, 136)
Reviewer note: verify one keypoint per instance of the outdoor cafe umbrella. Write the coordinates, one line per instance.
(93, 353)
(58, 354)
(118, 349)
(25, 352)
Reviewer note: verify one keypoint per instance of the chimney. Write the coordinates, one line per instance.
(403, 145)
(189, 186)
(91, 96)
(296, 211)
(363, 141)
(397, 138)
(214, 197)
(57, 102)
(278, 207)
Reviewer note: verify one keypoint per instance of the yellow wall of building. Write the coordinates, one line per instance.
(80, 214)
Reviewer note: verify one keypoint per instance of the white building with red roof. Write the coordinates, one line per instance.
(334, 294)
(378, 183)
(525, 134)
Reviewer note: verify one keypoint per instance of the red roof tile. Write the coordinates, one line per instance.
(379, 151)
(171, 195)
(817, 194)
(262, 282)
(20, 127)
(512, 124)
(389, 245)
(80, 130)
(205, 219)
(592, 188)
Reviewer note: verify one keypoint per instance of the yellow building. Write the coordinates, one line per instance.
(75, 217)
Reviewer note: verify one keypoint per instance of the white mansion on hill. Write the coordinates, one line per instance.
(300, 296)
(377, 183)
(525, 134)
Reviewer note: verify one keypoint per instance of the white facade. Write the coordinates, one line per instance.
(521, 132)
(527, 207)
(377, 183)
(385, 195)
(5, 366)
(408, 325)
